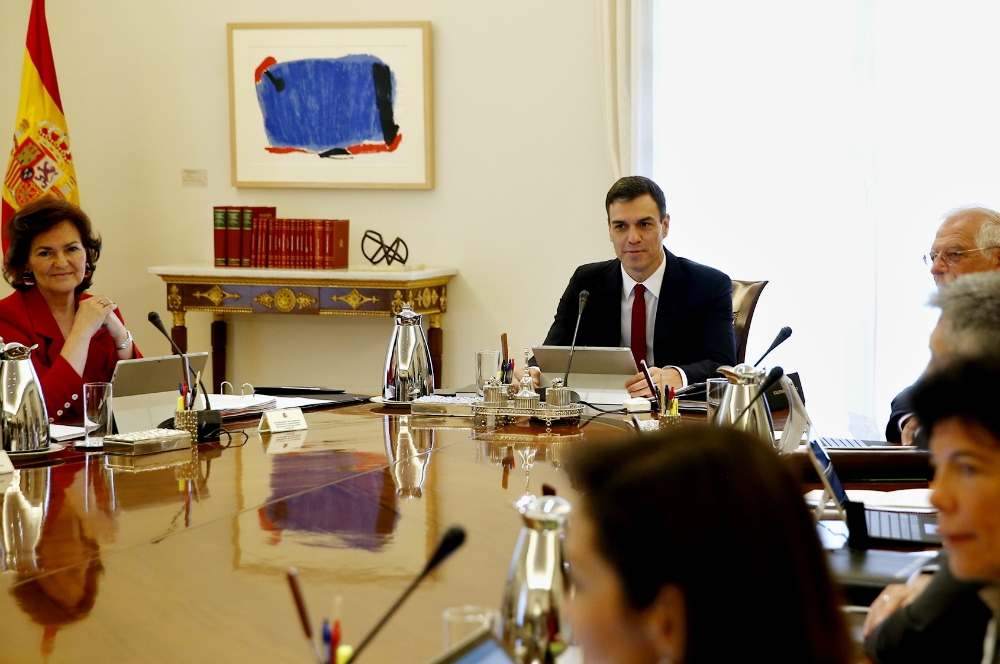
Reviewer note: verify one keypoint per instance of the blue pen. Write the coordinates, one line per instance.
(327, 635)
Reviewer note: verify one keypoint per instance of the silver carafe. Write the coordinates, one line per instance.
(532, 625)
(409, 373)
(25, 421)
(744, 384)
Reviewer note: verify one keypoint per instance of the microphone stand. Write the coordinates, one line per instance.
(572, 348)
(209, 421)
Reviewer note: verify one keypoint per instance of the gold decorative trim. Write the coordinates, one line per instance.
(284, 300)
(444, 298)
(174, 298)
(265, 299)
(178, 319)
(345, 312)
(434, 321)
(217, 296)
(304, 300)
(426, 298)
(397, 302)
(354, 299)
(220, 310)
(328, 283)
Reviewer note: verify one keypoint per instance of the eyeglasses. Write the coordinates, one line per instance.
(950, 257)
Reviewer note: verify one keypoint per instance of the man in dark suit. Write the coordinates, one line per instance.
(967, 242)
(672, 312)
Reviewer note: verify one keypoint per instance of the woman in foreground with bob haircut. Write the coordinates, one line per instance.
(696, 546)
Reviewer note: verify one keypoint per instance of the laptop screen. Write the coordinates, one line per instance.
(821, 456)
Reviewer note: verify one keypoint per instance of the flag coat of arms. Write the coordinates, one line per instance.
(41, 162)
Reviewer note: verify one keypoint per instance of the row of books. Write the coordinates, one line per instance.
(255, 237)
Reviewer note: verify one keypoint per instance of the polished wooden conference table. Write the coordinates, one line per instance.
(183, 557)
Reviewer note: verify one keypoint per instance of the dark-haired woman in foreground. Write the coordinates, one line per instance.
(50, 261)
(696, 546)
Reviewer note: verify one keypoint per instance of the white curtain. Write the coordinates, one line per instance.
(818, 145)
(626, 48)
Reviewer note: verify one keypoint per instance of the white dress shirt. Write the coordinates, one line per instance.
(653, 285)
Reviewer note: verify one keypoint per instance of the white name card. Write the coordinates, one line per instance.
(286, 419)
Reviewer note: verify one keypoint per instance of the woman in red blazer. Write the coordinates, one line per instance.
(51, 259)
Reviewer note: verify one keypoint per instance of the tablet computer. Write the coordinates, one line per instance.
(144, 391)
(598, 374)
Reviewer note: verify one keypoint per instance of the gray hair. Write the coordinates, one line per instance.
(988, 238)
(970, 313)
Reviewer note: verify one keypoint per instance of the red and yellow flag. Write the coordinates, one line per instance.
(41, 162)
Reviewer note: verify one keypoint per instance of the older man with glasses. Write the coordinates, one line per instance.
(968, 241)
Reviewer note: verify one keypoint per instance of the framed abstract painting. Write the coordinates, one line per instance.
(346, 105)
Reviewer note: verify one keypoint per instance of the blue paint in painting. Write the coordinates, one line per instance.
(326, 104)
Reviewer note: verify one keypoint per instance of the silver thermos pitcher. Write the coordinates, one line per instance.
(532, 625)
(744, 383)
(409, 373)
(24, 421)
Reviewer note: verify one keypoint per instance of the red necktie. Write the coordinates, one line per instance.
(639, 324)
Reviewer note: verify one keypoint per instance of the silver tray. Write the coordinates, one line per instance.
(545, 413)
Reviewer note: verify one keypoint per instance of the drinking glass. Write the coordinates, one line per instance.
(487, 366)
(715, 389)
(96, 413)
(461, 622)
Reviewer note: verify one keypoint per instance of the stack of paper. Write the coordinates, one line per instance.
(236, 405)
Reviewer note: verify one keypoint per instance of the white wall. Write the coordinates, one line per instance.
(520, 160)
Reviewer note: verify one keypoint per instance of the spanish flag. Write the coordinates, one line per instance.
(41, 162)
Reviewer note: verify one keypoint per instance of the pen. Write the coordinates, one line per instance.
(503, 345)
(300, 604)
(194, 392)
(327, 635)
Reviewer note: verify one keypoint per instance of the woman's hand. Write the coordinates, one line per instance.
(91, 315)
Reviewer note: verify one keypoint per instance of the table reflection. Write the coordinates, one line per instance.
(409, 451)
(504, 446)
(54, 521)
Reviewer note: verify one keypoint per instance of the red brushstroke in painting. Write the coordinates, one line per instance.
(369, 148)
(268, 61)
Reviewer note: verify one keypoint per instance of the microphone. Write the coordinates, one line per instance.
(778, 340)
(452, 539)
(157, 322)
(772, 377)
(572, 347)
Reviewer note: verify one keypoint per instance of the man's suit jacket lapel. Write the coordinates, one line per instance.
(609, 306)
(671, 299)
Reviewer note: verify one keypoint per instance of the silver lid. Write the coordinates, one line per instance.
(408, 316)
(545, 512)
(742, 374)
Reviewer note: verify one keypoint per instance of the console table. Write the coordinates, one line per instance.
(351, 292)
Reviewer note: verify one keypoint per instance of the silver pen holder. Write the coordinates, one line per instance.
(495, 395)
(559, 396)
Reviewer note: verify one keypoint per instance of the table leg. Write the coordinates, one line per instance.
(435, 343)
(218, 352)
(179, 332)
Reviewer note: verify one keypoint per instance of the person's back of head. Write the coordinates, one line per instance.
(970, 317)
(715, 514)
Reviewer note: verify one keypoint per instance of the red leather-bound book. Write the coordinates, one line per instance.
(262, 230)
(327, 244)
(233, 223)
(219, 235)
(285, 248)
(317, 244)
(341, 247)
(246, 235)
(297, 244)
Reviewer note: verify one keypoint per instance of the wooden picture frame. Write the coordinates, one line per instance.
(341, 105)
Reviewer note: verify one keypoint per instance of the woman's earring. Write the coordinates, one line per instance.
(89, 270)
(28, 278)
